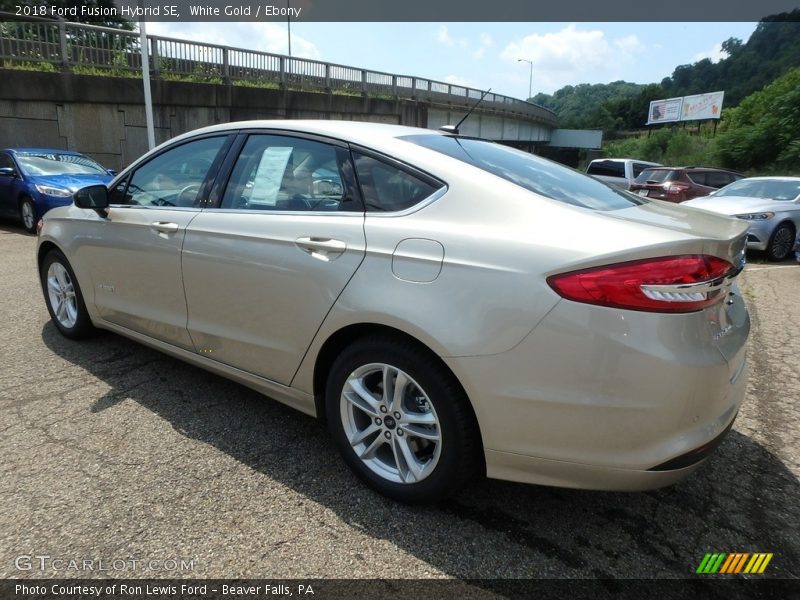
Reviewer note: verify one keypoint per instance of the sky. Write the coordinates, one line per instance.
(485, 55)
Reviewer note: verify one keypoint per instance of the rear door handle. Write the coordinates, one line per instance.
(165, 227)
(326, 249)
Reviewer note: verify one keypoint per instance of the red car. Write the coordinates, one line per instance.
(676, 184)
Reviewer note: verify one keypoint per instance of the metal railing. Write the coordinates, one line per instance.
(80, 48)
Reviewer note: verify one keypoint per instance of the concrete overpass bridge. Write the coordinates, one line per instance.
(76, 86)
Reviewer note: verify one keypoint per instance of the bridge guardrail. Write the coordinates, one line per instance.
(79, 48)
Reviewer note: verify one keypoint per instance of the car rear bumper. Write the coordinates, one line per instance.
(602, 399)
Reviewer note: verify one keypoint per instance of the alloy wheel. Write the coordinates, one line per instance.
(390, 423)
(61, 292)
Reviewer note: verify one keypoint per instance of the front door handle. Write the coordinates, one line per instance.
(165, 227)
(326, 249)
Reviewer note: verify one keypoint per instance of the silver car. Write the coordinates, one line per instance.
(770, 206)
(452, 307)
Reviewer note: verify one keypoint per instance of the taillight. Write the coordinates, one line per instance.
(667, 284)
(676, 188)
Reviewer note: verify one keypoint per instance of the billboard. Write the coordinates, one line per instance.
(702, 106)
(664, 111)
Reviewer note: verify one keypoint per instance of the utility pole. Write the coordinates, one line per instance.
(148, 99)
(530, 79)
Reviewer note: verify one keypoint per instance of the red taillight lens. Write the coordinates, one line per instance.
(676, 188)
(667, 284)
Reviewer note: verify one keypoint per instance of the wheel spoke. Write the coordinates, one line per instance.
(61, 310)
(72, 311)
(400, 384)
(359, 436)
(61, 275)
(421, 432)
(369, 451)
(418, 418)
(388, 374)
(407, 464)
(360, 397)
(53, 285)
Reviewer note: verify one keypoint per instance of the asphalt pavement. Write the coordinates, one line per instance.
(114, 452)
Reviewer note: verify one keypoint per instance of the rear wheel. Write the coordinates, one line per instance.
(27, 214)
(401, 420)
(63, 297)
(781, 242)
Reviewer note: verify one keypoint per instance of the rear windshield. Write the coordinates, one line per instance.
(530, 172)
(606, 168)
(655, 176)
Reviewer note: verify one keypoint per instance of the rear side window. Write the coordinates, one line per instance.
(638, 168)
(607, 168)
(388, 188)
(698, 177)
(717, 179)
(284, 173)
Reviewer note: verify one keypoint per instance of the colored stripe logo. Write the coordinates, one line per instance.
(734, 562)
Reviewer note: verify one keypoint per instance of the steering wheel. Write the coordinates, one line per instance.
(188, 195)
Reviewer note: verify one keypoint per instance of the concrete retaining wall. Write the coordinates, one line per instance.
(104, 116)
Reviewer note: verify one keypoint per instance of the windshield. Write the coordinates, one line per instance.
(774, 189)
(654, 176)
(58, 164)
(530, 172)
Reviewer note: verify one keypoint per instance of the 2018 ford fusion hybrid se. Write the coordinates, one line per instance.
(450, 306)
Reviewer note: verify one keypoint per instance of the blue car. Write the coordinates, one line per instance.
(34, 180)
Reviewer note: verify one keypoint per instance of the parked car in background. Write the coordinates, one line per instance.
(451, 306)
(771, 207)
(34, 180)
(619, 172)
(677, 184)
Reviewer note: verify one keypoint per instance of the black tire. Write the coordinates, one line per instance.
(460, 455)
(781, 242)
(82, 327)
(26, 204)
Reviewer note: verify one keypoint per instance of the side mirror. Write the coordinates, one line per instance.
(111, 172)
(7, 172)
(94, 196)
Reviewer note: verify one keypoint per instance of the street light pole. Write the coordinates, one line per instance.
(530, 79)
(289, 28)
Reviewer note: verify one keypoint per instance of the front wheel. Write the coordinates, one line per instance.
(63, 297)
(402, 421)
(27, 214)
(781, 242)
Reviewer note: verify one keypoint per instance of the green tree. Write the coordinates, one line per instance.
(763, 131)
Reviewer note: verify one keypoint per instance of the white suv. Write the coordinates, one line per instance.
(619, 172)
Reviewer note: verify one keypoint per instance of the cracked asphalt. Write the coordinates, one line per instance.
(114, 451)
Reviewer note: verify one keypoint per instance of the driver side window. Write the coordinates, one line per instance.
(173, 178)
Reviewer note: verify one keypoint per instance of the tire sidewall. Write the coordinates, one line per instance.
(770, 253)
(83, 325)
(445, 475)
(22, 203)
